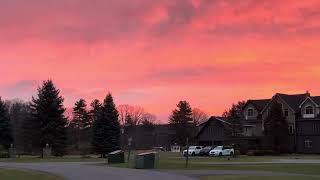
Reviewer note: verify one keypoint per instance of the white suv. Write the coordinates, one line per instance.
(222, 151)
(193, 150)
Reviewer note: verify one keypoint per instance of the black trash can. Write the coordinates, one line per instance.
(145, 160)
(116, 157)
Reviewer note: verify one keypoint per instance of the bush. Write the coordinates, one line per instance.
(4, 154)
(261, 152)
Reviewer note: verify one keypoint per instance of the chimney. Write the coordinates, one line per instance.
(308, 93)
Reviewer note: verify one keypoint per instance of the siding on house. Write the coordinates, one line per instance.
(212, 132)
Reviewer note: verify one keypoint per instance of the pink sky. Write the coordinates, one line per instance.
(154, 53)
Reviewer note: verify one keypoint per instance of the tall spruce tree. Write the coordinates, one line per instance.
(182, 122)
(48, 115)
(81, 118)
(5, 130)
(276, 129)
(95, 110)
(81, 126)
(106, 128)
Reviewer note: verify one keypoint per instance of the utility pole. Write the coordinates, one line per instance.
(129, 150)
(187, 156)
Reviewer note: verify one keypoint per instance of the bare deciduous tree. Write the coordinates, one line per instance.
(136, 113)
(198, 116)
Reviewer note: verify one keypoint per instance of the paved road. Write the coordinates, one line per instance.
(89, 171)
(80, 171)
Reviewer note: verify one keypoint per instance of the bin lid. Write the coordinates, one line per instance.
(146, 153)
(116, 152)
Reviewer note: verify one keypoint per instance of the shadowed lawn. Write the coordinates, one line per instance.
(229, 177)
(12, 174)
(35, 159)
(176, 161)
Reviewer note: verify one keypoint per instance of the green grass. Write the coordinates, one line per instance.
(232, 177)
(35, 159)
(12, 174)
(176, 161)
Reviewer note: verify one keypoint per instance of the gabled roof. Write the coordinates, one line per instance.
(205, 124)
(293, 100)
(259, 104)
(316, 99)
(312, 99)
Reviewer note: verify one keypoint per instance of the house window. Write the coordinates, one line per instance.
(309, 110)
(291, 129)
(286, 112)
(307, 143)
(250, 112)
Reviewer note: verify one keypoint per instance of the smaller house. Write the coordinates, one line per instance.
(175, 148)
(212, 132)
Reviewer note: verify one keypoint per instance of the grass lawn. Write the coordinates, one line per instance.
(12, 174)
(169, 160)
(35, 159)
(229, 177)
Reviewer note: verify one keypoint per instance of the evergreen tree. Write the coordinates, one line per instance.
(81, 118)
(81, 126)
(106, 128)
(48, 116)
(235, 116)
(5, 130)
(181, 120)
(276, 129)
(19, 113)
(95, 110)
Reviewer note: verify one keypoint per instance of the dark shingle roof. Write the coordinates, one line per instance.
(293, 100)
(316, 99)
(205, 124)
(259, 103)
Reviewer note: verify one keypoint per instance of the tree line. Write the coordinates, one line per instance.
(30, 126)
(94, 128)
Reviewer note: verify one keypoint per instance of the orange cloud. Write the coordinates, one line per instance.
(155, 53)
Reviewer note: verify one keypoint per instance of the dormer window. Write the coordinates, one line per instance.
(286, 112)
(250, 112)
(309, 110)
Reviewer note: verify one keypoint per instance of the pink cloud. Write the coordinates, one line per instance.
(155, 53)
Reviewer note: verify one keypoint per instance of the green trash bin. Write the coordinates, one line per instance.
(116, 157)
(145, 160)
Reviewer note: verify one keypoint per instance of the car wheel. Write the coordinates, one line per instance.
(220, 154)
(193, 154)
(231, 153)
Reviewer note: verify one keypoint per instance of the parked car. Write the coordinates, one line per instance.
(222, 151)
(205, 151)
(193, 150)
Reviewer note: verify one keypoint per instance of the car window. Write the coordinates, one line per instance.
(198, 147)
(218, 148)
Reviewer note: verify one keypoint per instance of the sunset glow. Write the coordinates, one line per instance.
(155, 53)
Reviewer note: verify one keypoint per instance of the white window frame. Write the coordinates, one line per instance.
(286, 112)
(291, 129)
(307, 143)
(308, 108)
(251, 110)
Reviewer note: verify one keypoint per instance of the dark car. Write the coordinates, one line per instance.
(205, 151)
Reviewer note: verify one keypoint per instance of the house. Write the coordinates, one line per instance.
(212, 132)
(147, 137)
(301, 112)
